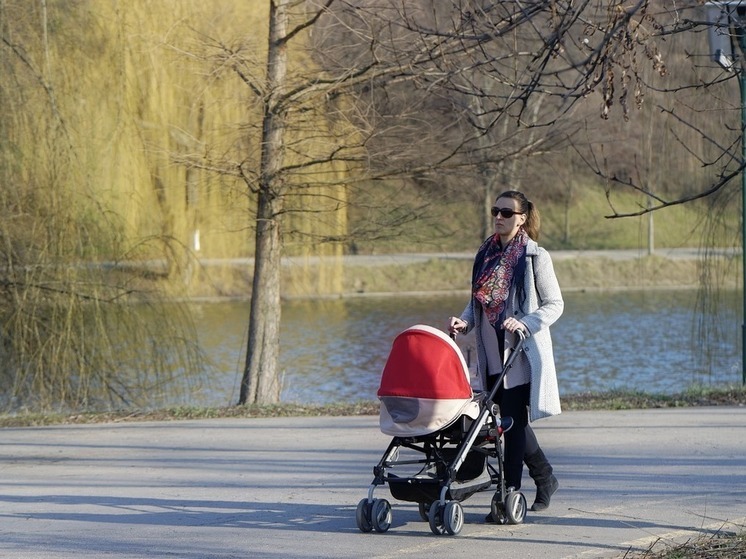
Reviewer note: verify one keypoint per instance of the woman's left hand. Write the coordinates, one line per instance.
(513, 324)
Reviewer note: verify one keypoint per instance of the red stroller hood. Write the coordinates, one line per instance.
(425, 384)
(425, 363)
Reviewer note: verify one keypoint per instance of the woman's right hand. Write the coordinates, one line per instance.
(456, 325)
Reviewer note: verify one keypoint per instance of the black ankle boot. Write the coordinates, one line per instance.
(544, 493)
(540, 471)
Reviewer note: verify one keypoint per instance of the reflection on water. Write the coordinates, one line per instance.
(335, 350)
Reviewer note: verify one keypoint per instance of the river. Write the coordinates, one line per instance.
(334, 350)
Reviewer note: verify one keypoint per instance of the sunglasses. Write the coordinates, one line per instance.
(507, 213)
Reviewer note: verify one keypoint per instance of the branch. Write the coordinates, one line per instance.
(305, 25)
(714, 188)
(47, 88)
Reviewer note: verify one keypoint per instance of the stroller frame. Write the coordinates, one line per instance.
(454, 464)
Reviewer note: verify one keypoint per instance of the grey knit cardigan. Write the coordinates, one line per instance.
(543, 305)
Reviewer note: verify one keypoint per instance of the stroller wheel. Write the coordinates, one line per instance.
(424, 509)
(453, 517)
(515, 507)
(497, 509)
(381, 515)
(435, 517)
(362, 516)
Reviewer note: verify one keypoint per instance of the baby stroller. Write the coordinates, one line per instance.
(447, 442)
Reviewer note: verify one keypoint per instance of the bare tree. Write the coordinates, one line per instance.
(260, 377)
(684, 100)
(435, 99)
(385, 69)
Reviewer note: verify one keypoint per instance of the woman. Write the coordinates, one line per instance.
(514, 287)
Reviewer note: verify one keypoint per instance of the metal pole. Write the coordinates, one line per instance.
(742, 84)
(742, 81)
(730, 16)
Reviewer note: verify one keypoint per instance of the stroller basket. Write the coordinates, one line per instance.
(470, 478)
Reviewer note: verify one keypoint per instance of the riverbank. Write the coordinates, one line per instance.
(602, 401)
(420, 273)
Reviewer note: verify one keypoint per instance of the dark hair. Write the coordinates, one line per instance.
(526, 206)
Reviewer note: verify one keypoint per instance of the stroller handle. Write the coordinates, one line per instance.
(520, 332)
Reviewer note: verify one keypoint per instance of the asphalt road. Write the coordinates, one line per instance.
(288, 488)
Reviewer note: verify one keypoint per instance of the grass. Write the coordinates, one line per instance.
(581, 224)
(613, 400)
(721, 545)
(630, 400)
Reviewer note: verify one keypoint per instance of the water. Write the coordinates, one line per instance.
(334, 351)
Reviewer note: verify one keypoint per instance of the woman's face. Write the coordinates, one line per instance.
(507, 227)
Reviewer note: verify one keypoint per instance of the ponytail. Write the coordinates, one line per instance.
(533, 221)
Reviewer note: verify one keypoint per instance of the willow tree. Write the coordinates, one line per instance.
(70, 337)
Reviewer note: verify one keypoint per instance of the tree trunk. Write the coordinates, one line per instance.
(260, 383)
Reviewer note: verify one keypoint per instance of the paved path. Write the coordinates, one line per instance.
(288, 487)
(683, 253)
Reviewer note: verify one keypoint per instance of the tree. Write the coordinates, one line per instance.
(71, 335)
(385, 69)
(371, 108)
(259, 383)
(681, 105)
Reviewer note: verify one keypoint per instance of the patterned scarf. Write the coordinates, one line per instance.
(492, 284)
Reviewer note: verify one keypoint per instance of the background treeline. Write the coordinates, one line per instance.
(130, 142)
(112, 114)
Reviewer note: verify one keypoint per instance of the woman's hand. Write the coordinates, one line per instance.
(513, 324)
(456, 325)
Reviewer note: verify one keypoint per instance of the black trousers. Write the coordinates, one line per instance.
(520, 441)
